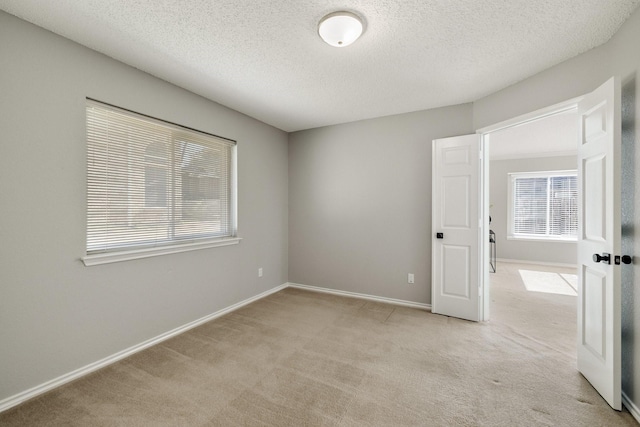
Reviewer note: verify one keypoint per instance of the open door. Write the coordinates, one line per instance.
(456, 227)
(599, 239)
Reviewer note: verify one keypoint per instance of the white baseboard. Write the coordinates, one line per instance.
(361, 296)
(550, 264)
(63, 379)
(632, 407)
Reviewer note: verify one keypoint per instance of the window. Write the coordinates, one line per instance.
(543, 205)
(152, 184)
(156, 160)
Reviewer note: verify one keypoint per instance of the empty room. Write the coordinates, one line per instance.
(287, 213)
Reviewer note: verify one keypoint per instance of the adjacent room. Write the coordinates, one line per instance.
(534, 225)
(533, 204)
(230, 213)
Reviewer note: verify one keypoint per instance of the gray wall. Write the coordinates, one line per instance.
(57, 315)
(359, 194)
(580, 75)
(360, 203)
(535, 251)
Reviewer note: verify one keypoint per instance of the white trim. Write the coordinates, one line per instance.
(485, 213)
(631, 407)
(539, 239)
(234, 190)
(63, 379)
(543, 174)
(361, 296)
(516, 156)
(109, 257)
(550, 264)
(542, 113)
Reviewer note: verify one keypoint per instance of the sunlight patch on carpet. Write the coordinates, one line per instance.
(550, 283)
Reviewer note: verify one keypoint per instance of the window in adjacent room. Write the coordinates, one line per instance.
(543, 205)
(155, 185)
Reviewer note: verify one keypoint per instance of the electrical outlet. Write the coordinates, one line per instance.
(260, 272)
(410, 279)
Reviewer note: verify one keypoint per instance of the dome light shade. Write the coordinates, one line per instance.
(340, 29)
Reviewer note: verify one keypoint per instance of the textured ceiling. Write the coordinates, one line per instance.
(265, 59)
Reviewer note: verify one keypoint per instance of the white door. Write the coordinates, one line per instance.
(456, 227)
(599, 232)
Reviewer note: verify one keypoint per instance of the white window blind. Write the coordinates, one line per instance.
(544, 205)
(152, 183)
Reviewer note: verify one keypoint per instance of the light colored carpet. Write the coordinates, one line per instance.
(302, 358)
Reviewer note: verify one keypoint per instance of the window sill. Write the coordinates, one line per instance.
(109, 257)
(540, 239)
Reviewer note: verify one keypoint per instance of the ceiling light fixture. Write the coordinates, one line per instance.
(340, 29)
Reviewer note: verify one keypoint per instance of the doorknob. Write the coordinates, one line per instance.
(605, 257)
(439, 235)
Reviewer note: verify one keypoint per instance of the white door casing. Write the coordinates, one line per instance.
(599, 232)
(456, 189)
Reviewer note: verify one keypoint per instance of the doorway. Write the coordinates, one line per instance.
(598, 235)
(542, 141)
(533, 194)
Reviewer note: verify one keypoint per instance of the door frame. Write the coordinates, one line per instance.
(542, 113)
